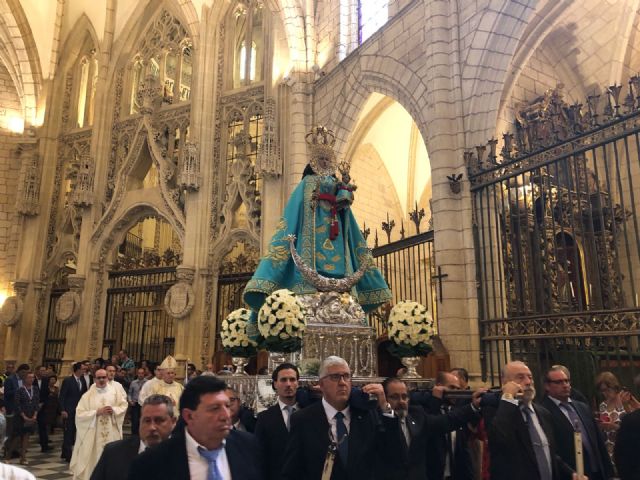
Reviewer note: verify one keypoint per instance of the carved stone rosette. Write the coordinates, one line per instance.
(180, 298)
(12, 308)
(69, 304)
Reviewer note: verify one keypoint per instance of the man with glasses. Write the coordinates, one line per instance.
(419, 429)
(569, 416)
(241, 417)
(336, 435)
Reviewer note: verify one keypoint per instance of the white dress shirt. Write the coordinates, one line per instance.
(198, 465)
(536, 425)
(330, 412)
(283, 410)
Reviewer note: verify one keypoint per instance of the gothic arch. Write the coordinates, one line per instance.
(143, 136)
(20, 56)
(74, 42)
(486, 63)
(401, 83)
(140, 21)
(118, 228)
(225, 244)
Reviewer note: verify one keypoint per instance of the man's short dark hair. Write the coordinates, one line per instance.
(76, 366)
(388, 381)
(23, 366)
(441, 377)
(284, 366)
(461, 373)
(158, 399)
(197, 387)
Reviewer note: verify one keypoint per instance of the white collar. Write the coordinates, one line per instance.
(193, 445)
(330, 411)
(284, 405)
(559, 402)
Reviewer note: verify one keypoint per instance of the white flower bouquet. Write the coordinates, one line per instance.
(281, 322)
(233, 333)
(411, 330)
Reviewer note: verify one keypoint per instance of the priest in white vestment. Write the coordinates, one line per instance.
(168, 386)
(146, 389)
(99, 418)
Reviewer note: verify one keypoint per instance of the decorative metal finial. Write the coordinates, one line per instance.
(388, 227)
(416, 217)
(365, 231)
(375, 243)
(402, 232)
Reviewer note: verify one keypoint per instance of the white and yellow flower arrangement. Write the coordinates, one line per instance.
(281, 322)
(411, 330)
(233, 333)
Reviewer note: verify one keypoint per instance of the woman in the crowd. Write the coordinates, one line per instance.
(611, 409)
(52, 407)
(27, 405)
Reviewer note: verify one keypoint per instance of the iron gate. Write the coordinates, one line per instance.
(557, 237)
(135, 318)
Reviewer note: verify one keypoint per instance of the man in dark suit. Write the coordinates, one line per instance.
(72, 388)
(206, 445)
(421, 432)
(272, 428)
(627, 449)
(521, 440)
(157, 421)
(449, 455)
(334, 428)
(11, 386)
(42, 382)
(242, 418)
(570, 415)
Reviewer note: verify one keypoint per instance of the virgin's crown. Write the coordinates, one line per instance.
(320, 136)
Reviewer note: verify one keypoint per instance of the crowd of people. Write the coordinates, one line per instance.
(330, 431)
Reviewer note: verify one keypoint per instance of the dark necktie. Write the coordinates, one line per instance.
(578, 426)
(343, 438)
(211, 456)
(538, 448)
(289, 409)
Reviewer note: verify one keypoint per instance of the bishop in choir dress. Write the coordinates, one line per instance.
(99, 418)
(168, 386)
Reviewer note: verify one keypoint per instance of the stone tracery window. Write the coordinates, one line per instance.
(166, 54)
(247, 30)
(372, 14)
(87, 72)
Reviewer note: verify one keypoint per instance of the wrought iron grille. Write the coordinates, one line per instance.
(135, 318)
(557, 237)
(408, 266)
(55, 338)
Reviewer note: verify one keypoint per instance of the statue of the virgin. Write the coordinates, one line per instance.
(327, 237)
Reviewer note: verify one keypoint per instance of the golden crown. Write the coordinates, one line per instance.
(320, 136)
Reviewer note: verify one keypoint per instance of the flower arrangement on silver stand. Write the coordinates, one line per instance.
(281, 323)
(411, 332)
(235, 340)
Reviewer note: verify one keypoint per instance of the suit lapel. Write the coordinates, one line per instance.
(522, 432)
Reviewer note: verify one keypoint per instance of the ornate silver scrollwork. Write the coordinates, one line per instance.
(320, 282)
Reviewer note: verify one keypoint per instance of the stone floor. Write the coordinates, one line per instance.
(47, 466)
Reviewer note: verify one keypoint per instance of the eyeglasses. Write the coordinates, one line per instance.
(562, 381)
(336, 377)
(101, 378)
